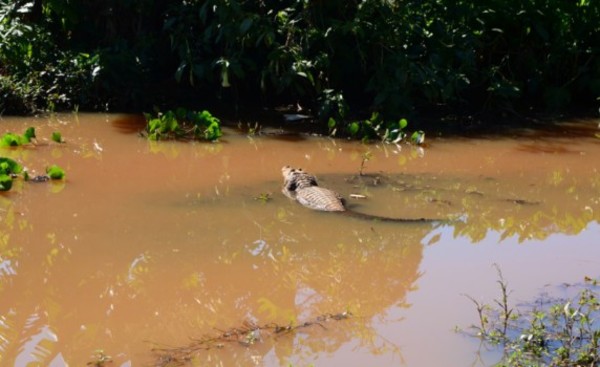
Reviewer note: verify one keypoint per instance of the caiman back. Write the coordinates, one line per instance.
(303, 187)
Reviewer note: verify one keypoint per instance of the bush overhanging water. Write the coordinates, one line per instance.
(399, 58)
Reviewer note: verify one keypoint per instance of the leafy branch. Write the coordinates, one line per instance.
(183, 124)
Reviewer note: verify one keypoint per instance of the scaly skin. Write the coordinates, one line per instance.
(303, 188)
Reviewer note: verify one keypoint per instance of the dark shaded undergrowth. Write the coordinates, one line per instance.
(444, 60)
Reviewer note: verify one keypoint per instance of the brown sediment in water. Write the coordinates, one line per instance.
(164, 241)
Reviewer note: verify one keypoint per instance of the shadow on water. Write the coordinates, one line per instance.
(149, 244)
(129, 124)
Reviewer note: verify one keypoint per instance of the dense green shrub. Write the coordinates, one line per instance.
(15, 97)
(395, 56)
(35, 72)
(398, 58)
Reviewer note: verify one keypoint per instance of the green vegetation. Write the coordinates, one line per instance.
(39, 67)
(57, 137)
(373, 128)
(560, 333)
(336, 58)
(183, 124)
(10, 169)
(55, 172)
(14, 140)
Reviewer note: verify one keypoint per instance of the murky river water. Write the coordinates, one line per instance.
(152, 245)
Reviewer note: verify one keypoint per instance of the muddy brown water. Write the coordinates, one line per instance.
(156, 244)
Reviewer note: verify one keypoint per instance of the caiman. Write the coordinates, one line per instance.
(302, 187)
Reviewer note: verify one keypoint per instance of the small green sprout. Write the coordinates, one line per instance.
(57, 137)
(55, 172)
(366, 156)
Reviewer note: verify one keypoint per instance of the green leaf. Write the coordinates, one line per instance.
(225, 78)
(181, 123)
(245, 26)
(418, 137)
(5, 182)
(179, 71)
(353, 128)
(181, 113)
(403, 124)
(374, 117)
(57, 137)
(9, 166)
(11, 140)
(213, 132)
(153, 125)
(29, 134)
(331, 123)
(55, 172)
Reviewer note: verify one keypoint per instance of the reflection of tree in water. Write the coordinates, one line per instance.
(364, 268)
(292, 273)
(533, 210)
(303, 264)
(8, 254)
(526, 207)
(328, 263)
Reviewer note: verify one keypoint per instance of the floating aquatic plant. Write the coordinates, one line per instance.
(183, 124)
(8, 169)
(57, 137)
(11, 169)
(55, 172)
(15, 140)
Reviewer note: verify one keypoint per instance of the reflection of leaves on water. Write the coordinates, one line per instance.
(172, 149)
(555, 178)
(7, 332)
(526, 210)
(263, 197)
(9, 254)
(260, 246)
(273, 311)
(249, 333)
(37, 347)
(137, 268)
(99, 359)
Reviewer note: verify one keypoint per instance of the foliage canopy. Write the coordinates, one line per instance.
(398, 58)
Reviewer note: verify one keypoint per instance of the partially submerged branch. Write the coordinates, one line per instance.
(245, 335)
